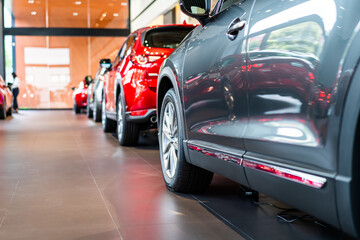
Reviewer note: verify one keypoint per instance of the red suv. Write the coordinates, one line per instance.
(129, 95)
(80, 94)
(6, 98)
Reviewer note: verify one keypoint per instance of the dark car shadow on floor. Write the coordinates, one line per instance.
(265, 219)
(146, 141)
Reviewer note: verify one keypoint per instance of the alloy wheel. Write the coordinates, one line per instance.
(103, 112)
(120, 120)
(169, 140)
(94, 112)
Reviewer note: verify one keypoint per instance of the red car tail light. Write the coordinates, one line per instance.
(144, 59)
(138, 113)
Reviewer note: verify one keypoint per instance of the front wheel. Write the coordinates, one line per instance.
(127, 132)
(179, 175)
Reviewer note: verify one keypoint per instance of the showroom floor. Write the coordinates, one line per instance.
(61, 177)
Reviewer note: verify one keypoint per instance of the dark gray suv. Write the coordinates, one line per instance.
(266, 93)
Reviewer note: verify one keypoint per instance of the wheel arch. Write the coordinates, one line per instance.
(166, 81)
(348, 178)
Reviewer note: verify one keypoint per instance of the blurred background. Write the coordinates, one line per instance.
(52, 44)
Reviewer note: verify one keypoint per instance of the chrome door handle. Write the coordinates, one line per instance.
(234, 28)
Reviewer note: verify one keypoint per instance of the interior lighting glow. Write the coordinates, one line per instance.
(78, 3)
(115, 14)
(33, 13)
(103, 16)
(123, 4)
(75, 14)
(31, 1)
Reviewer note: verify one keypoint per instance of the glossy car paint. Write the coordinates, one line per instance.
(5, 96)
(278, 95)
(95, 89)
(80, 95)
(135, 81)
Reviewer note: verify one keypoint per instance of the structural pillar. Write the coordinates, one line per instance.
(2, 47)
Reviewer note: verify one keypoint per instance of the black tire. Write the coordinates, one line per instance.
(9, 112)
(89, 111)
(96, 111)
(127, 132)
(184, 177)
(76, 109)
(107, 124)
(3, 111)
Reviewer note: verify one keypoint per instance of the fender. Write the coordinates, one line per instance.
(167, 72)
(346, 183)
(118, 85)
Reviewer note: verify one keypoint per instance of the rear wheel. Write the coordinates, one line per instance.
(89, 112)
(9, 112)
(127, 132)
(96, 111)
(76, 109)
(179, 175)
(3, 111)
(108, 124)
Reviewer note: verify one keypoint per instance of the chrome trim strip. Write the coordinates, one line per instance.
(292, 175)
(215, 153)
(153, 74)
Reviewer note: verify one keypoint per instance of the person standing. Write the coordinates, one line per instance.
(15, 91)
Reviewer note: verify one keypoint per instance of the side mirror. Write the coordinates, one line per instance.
(199, 9)
(88, 80)
(105, 63)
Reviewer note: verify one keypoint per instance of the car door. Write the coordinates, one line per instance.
(110, 82)
(214, 87)
(114, 74)
(294, 54)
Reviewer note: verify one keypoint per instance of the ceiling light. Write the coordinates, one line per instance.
(31, 1)
(123, 4)
(115, 14)
(75, 14)
(103, 16)
(78, 3)
(33, 13)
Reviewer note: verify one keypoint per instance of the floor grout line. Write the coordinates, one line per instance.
(12, 197)
(98, 189)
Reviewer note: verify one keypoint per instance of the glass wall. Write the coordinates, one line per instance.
(67, 13)
(48, 67)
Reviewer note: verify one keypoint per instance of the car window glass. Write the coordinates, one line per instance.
(166, 37)
(227, 3)
(81, 85)
(129, 45)
(215, 5)
(121, 53)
